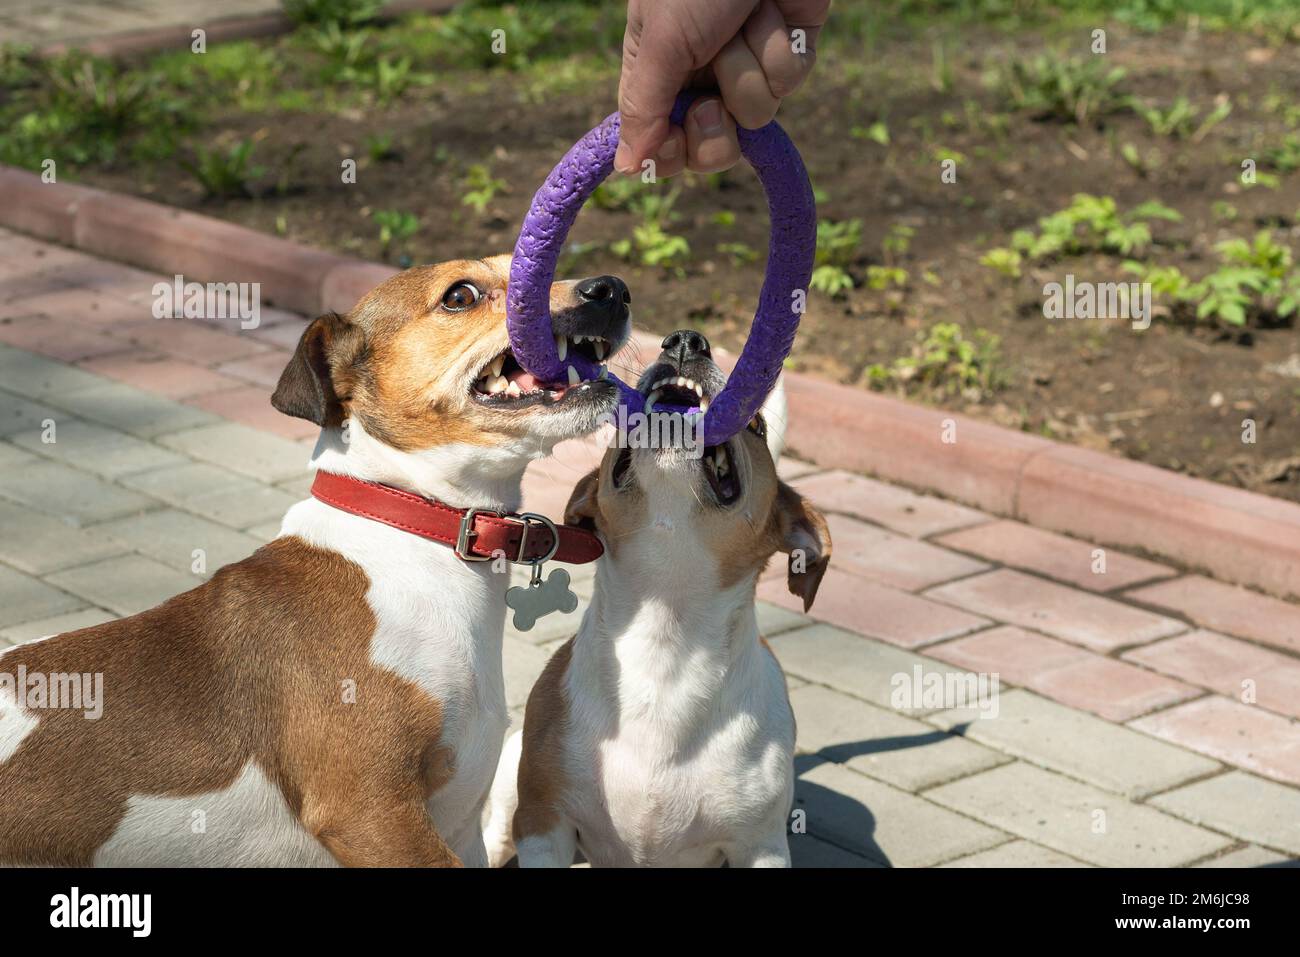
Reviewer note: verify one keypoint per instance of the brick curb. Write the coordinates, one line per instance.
(1235, 535)
(179, 36)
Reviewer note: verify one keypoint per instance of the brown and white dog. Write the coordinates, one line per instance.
(662, 733)
(336, 697)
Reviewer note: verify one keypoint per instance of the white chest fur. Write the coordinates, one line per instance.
(692, 739)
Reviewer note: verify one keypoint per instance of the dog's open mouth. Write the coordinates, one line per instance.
(721, 473)
(675, 394)
(503, 382)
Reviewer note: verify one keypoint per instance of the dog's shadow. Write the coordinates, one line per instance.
(837, 818)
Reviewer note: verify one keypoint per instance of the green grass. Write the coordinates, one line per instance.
(1057, 87)
(82, 111)
(1090, 224)
(224, 173)
(837, 248)
(946, 363)
(865, 20)
(1255, 281)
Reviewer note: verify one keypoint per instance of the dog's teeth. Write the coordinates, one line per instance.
(579, 340)
(599, 346)
(604, 372)
(650, 401)
(497, 363)
(704, 405)
(561, 347)
(720, 462)
(497, 384)
(574, 378)
(513, 390)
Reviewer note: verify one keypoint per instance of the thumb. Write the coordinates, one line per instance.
(654, 71)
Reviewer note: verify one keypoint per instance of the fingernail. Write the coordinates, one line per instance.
(708, 115)
(671, 149)
(623, 158)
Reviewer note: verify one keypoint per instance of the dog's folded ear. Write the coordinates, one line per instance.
(581, 510)
(805, 537)
(310, 385)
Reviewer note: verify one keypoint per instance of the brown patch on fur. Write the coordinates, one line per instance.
(247, 667)
(541, 763)
(802, 530)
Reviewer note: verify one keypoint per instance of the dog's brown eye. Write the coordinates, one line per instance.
(460, 297)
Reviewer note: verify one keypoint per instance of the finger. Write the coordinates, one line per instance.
(744, 87)
(769, 38)
(652, 75)
(809, 15)
(711, 144)
(670, 159)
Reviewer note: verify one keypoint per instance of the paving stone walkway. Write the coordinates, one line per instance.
(1145, 717)
(44, 22)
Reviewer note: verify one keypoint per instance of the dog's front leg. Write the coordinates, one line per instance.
(379, 834)
(554, 848)
(773, 851)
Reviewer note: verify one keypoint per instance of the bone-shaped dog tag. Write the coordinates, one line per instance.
(539, 598)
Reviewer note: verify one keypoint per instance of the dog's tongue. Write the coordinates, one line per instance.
(526, 381)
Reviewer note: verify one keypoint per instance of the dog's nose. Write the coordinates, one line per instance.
(687, 343)
(609, 290)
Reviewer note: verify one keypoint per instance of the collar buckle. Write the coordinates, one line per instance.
(466, 531)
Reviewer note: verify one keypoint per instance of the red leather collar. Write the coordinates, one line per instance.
(475, 535)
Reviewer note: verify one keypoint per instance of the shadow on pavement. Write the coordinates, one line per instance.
(837, 818)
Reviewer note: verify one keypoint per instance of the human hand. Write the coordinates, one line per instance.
(746, 48)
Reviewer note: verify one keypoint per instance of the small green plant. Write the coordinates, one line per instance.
(1223, 211)
(880, 278)
(390, 78)
(341, 12)
(1182, 120)
(480, 187)
(837, 247)
(617, 193)
(947, 363)
(943, 154)
(346, 51)
(1060, 88)
(652, 245)
(1091, 224)
(105, 101)
(1133, 156)
(18, 65)
(395, 226)
(379, 147)
(740, 254)
(834, 281)
(1255, 279)
(1261, 178)
(897, 242)
(877, 132)
(224, 174)
(1285, 156)
(1004, 261)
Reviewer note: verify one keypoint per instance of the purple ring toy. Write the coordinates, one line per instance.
(790, 251)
